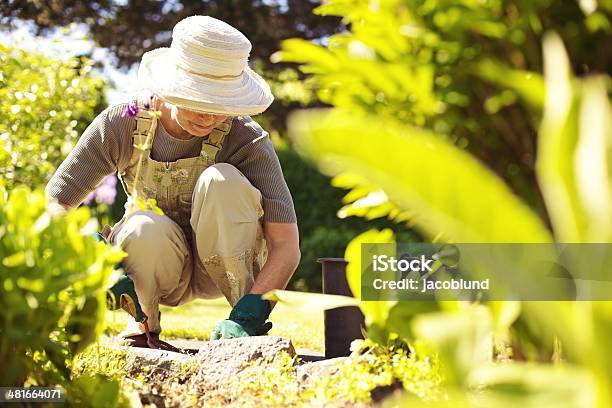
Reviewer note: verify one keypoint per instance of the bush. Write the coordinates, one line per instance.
(46, 104)
(409, 79)
(468, 82)
(459, 68)
(53, 278)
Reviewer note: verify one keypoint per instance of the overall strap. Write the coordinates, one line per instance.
(145, 122)
(214, 143)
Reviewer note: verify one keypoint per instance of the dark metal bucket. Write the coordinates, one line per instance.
(343, 324)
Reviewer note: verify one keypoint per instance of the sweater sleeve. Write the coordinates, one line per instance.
(251, 151)
(96, 155)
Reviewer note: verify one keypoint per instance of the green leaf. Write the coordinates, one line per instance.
(309, 302)
(297, 50)
(504, 314)
(593, 159)
(535, 385)
(14, 260)
(462, 338)
(529, 85)
(447, 190)
(402, 314)
(366, 200)
(557, 142)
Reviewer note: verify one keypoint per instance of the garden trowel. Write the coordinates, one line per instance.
(122, 295)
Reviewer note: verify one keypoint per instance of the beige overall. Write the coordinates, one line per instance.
(208, 243)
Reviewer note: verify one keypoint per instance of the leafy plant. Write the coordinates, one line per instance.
(46, 104)
(372, 365)
(393, 139)
(460, 68)
(54, 277)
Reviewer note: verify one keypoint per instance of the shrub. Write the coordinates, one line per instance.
(53, 277)
(46, 104)
(462, 69)
(411, 79)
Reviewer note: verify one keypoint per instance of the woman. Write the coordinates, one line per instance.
(228, 226)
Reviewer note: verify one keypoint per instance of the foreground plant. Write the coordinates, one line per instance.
(401, 160)
(53, 277)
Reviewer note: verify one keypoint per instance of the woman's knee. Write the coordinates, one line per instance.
(222, 179)
(225, 203)
(148, 235)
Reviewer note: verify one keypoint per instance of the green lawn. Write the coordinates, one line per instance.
(196, 320)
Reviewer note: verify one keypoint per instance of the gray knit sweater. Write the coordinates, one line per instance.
(106, 147)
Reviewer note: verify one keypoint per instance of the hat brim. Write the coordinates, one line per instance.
(247, 94)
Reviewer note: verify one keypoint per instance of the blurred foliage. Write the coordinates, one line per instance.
(322, 233)
(383, 140)
(46, 104)
(462, 69)
(288, 88)
(291, 91)
(53, 278)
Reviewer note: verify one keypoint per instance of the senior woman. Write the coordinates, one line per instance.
(228, 227)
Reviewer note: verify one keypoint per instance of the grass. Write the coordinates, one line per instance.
(197, 319)
(370, 367)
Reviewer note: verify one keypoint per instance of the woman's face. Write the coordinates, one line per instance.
(196, 123)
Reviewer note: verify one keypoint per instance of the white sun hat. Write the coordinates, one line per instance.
(206, 70)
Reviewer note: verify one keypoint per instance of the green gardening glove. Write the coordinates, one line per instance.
(123, 295)
(248, 318)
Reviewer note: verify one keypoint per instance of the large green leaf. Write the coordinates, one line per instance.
(575, 145)
(309, 302)
(556, 144)
(449, 191)
(593, 159)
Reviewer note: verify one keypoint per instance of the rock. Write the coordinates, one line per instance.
(212, 362)
(222, 360)
(209, 371)
(309, 372)
(151, 361)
